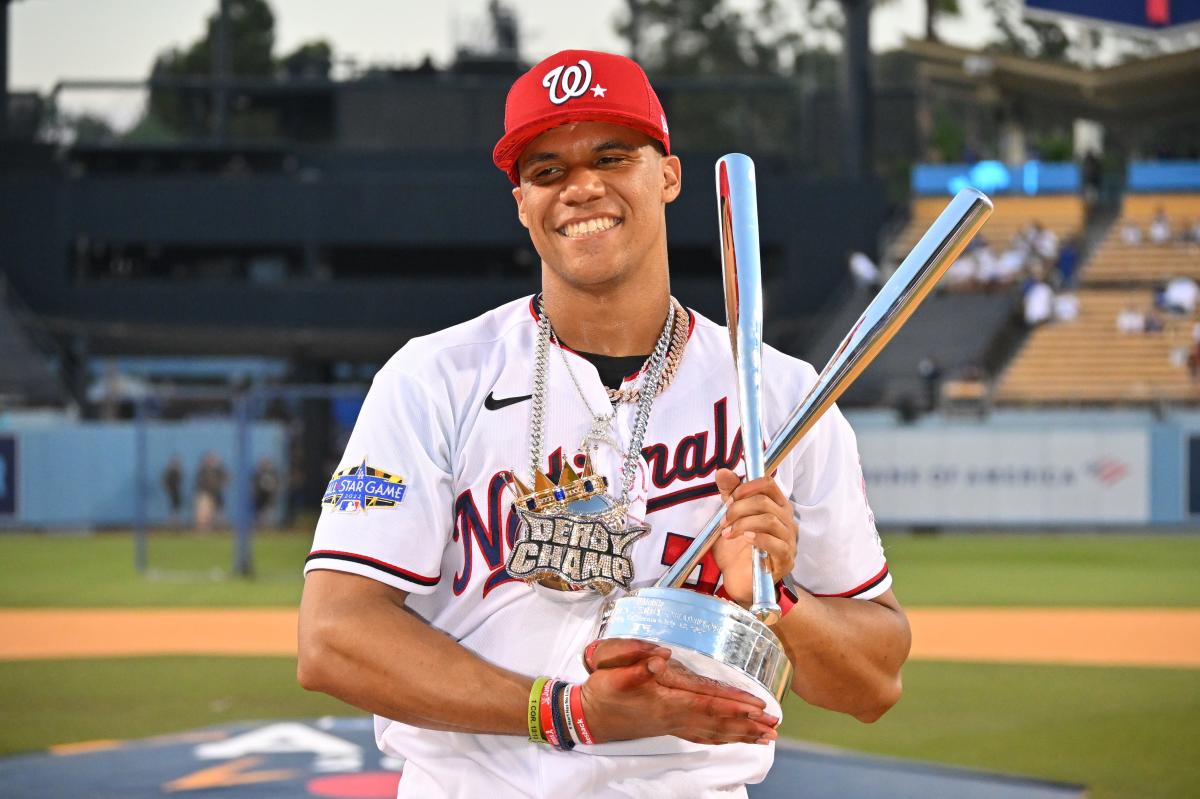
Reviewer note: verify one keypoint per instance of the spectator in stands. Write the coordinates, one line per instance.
(1068, 263)
(1180, 295)
(987, 267)
(1131, 320)
(1046, 243)
(1131, 234)
(1066, 307)
(961, 274)
(931, 375)
(1155, 323)
(1039, 303)
(1012, 261)
(1191, 233)
(172, 481)
(211, 478)
(1090, 177)
(1160, 227)
(862, 269)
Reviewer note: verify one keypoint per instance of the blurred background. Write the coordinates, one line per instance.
(218, 218)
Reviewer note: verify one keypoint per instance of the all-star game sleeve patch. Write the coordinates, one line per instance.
(357, 488)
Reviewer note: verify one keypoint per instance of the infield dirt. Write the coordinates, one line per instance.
(1162, 637)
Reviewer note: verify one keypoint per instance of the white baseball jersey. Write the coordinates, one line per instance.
(419, 502)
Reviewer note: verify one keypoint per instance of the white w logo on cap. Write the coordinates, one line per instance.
(573, 80)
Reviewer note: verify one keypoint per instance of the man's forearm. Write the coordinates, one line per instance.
(382, 658)
(847, 653)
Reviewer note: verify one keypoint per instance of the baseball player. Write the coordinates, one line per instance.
(434, 600)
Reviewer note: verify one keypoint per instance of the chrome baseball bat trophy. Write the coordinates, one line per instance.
(737, 208)
(710, 636)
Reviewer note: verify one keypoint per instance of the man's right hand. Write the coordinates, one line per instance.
(636, 691)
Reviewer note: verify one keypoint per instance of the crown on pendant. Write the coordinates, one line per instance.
(546, 494)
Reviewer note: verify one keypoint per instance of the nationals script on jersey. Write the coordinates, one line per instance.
(419, 502)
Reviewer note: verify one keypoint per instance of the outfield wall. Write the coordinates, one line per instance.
(1033, 468)
(59, 473)
(1091, 468)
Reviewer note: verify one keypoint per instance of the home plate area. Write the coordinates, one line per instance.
(336, 757)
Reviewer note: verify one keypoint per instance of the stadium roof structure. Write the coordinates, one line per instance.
(1164, 85)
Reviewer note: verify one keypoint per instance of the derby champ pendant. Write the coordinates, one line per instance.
(572, 535)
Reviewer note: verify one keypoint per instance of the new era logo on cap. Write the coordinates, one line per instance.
(577, 86)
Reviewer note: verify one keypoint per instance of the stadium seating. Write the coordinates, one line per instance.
(1116, 262)
(1061, 213)
(1088, 360)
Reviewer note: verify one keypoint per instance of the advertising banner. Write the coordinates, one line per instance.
(994, 476)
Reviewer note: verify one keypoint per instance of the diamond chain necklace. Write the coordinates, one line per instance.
(655, 366)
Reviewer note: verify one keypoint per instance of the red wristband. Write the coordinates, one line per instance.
(589, 652)
(577, 719)
(547, 713)
(785, 598)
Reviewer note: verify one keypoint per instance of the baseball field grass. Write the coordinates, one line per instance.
(1125, 732)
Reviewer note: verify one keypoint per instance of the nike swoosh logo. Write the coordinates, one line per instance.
(493, 404)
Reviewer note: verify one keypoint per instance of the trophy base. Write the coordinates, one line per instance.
(715, 639)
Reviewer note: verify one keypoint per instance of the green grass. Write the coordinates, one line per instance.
(45, 702)
(98, 571)
(1102, 570)
(1097, 570)
(1116, 730)
(1126, 733)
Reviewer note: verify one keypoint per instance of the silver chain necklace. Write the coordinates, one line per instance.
(599, 431)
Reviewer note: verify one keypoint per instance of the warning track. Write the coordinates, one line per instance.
(1162, 637)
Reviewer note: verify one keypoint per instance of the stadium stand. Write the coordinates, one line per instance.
(954, 330)
(1116, 262)
(1089, 360)
(25, 375)
(1061, 213)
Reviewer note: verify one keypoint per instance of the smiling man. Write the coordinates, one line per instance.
(507, 476)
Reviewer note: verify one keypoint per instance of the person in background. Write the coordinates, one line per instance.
(1066, 307)
(1131, 234)
(1068, 263)
(1046, 243)
(1131, 320)
(211, 478)
(1180, 295)
(266, 490)
(863, 270)
(1090, 174)
(931, 375)
(1039, 303)
(172, 482)
(1160, 227)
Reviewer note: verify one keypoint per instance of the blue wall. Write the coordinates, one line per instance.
(1155, 176)
(82, 474)
(994, 177)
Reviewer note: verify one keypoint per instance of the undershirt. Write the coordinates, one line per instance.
(614, 369)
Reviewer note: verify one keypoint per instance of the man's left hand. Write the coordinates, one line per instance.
(758, 515)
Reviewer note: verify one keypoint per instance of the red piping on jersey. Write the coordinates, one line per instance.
(858, 589)
(390, 568)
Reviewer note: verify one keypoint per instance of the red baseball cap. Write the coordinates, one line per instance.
(577, 86)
